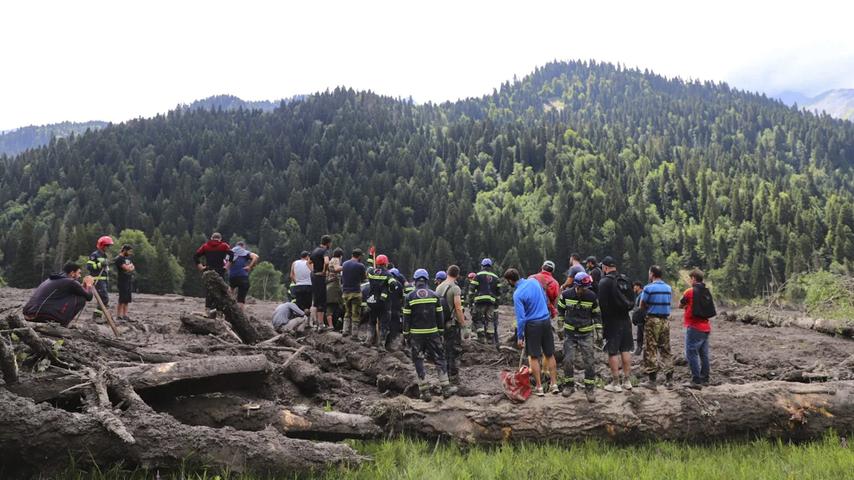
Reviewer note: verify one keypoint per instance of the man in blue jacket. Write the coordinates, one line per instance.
(533, 328)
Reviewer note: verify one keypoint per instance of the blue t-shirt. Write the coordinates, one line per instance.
(237, 268)
(529, 300)
(657, 296)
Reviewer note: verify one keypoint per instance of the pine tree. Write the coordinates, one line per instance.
(24, 273)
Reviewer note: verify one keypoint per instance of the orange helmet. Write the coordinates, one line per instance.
(104, 241)
(382, 260)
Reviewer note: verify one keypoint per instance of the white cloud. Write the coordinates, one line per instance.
(117, 60)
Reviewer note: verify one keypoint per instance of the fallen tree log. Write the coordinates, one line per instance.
(44, 440)
(240, 323)
(207, 326)
(783, 410)
(300, 421)
(144, 377)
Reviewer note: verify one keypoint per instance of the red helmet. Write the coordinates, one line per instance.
(105, 241)
(382, 260)
(472, 275)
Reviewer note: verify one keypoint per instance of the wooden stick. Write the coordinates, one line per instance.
(292, 357)
(106, 312)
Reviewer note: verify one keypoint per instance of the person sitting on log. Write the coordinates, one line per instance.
(423, 327)
(60, 298)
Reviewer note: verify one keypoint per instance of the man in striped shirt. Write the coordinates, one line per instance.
(656, 299)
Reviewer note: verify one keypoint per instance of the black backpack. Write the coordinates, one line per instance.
(702, 305)
(447, 309)
(625, 292)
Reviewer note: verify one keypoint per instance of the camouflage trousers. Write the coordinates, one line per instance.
(656, 346)
(353, 306)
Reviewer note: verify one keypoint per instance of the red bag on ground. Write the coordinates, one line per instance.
(517, 385)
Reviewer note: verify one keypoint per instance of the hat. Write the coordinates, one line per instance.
(548, 265)
(609, 262)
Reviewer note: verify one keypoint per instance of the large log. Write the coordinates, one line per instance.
(299, 421)
(784, 410)
(224, 302)
(144, 377)
(43, 440)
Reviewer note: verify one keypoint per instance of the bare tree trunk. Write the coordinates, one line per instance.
(234, 315)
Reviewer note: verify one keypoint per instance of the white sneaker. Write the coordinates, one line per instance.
(613, 388)
(627, 385)
(539, 392)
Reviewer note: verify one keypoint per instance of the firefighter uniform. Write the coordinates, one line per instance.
(99, 268)
(578, 316)
(423, 326)
(484, 294)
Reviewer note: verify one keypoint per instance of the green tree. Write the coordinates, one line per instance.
(265, 282)
(24, 273)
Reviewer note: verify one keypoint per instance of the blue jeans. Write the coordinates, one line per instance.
(697, 354)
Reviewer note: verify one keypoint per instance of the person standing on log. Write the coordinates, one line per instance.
(486, 290)
(616, 299)
(656, 298)
(216, 253)
(638, 317)
(60, 298)
(423, 325)
(319, 261)
(533, 328)
(378, 304)
(301, 280)
(452, 309)
(334, 300)
(578, 314)
(99, 268)
(550, 286)
(699, 308)
(124, 280)
(238, 271)
(353, 273)
(395, 308)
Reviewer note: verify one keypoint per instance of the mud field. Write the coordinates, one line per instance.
(323, 387)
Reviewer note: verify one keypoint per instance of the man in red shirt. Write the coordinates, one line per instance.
(697, 331)
(550, 286)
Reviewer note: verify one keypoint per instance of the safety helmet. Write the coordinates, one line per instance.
(382, 260)
(105, 241)
(582, 279)
(394, 272)
(591, 259)
(472, 275)
(421, 274)
(441, 275)
(486, 262)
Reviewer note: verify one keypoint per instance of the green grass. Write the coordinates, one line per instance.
(415, 459)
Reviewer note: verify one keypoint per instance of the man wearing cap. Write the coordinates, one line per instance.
(423, 325)
(353, 273)
(238, 271)
(617, 328)
(550, 286)
(124, 280)
(485, 292)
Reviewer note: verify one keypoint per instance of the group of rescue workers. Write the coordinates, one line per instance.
(591, 308)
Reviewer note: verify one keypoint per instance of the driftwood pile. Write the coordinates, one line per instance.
(249, 399)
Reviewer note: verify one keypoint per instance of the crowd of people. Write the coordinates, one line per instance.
(594, 309)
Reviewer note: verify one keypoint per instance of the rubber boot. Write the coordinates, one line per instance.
(372, 336)
(348, 327)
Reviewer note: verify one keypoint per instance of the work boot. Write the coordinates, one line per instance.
(371, 338)
(448, 390)
(668, 380)
(588, 392)
(424, 389)
(692, 385)
(651, 383)
(454, 379)
(481, 337)
(348, 327)
(98, 318)
(568, 389)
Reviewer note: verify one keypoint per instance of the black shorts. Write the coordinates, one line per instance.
(241, 284)
(539, 339)
(125, 288)
(318, 287)
(618, 335)
(302, 297)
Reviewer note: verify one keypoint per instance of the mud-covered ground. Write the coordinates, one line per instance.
(740, 353)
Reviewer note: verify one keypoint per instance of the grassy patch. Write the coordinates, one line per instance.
(415, 459)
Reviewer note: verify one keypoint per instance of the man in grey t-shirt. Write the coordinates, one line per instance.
(283, 315)
(454, 321)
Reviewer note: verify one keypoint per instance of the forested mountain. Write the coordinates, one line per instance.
(16, 141)
(838, 103)
(577, 156)
(230, 102)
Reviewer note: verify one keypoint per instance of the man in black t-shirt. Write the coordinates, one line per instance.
(319, 259)
(124, 276)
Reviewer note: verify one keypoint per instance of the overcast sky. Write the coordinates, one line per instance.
(111, 60)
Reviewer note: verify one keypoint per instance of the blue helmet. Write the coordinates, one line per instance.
(421, 274)
(441, 275)
(394, 272)
(486, 262)
(582, 279)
